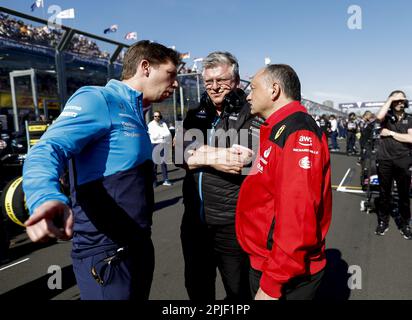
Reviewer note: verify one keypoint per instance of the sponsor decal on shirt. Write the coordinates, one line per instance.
(201, 114)
(305, 141)
(68, 114)
(281, 129)
(233, 118)
(304, 163)
(266, 153)
(77, 108)
(305, 150)
(132, 134)
(128, 125)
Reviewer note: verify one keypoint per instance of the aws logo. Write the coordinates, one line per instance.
(305, 141)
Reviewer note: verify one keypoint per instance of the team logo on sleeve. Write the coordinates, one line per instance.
(267, 152)
(281, 129)
(305, 141)
(304, 163)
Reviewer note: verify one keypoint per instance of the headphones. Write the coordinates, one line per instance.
(231, 102)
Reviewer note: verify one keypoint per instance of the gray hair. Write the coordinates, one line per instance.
(217, 58)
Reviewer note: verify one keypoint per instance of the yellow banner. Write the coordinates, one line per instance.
(27, 101)
(37, 128)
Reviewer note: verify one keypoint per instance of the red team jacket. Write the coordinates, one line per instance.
(284, 207)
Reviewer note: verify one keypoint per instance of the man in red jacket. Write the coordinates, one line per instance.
(284, 208)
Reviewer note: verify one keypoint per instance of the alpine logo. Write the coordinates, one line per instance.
(305, 141)
(304, 163)
(267, 152)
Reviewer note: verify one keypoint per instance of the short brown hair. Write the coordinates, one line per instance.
(153, 52)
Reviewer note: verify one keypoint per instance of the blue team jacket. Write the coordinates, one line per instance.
(101, 134)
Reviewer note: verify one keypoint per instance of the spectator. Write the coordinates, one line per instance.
(394, 161)
(352, 129)
(334, 132)
(161, 139)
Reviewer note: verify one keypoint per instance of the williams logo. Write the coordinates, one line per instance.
(281, 129)
(305, 141)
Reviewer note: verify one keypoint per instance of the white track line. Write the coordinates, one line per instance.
(12, 265)
(350, 191)
(341, 183)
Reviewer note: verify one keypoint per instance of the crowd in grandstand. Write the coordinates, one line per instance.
(11, 28)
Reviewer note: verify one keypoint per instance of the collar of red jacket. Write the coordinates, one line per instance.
(284, 112)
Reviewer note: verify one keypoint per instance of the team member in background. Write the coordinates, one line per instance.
(334, 132)
(102, 132)
(352, 130)
(393, 162)
(284, 209)
(160, 137)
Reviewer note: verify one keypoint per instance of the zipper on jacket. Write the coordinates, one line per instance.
(202, 209)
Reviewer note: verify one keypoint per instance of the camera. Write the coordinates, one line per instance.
(376, 129)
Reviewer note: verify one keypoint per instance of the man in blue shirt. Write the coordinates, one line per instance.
(102, 136)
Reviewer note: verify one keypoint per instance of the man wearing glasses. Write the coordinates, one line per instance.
(213, 180)
(393, 162)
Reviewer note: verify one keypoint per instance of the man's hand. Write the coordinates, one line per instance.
(42, 223)
(386, 133)
(3, 144)
(396, 97)
(384, 109)
(228, 160)
(261, 295)
(245, 154)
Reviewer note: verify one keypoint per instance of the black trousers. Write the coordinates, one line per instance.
(350, 142)
(398, 170)
(206, 248)
(299, 288)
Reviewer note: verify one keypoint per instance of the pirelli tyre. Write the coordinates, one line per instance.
(13, 202)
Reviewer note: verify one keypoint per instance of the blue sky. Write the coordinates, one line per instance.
(333, 62)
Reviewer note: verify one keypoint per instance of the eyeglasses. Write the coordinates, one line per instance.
(220, 82)
(396, 102)
(156, 116)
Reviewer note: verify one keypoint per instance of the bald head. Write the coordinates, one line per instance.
(285, 77)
